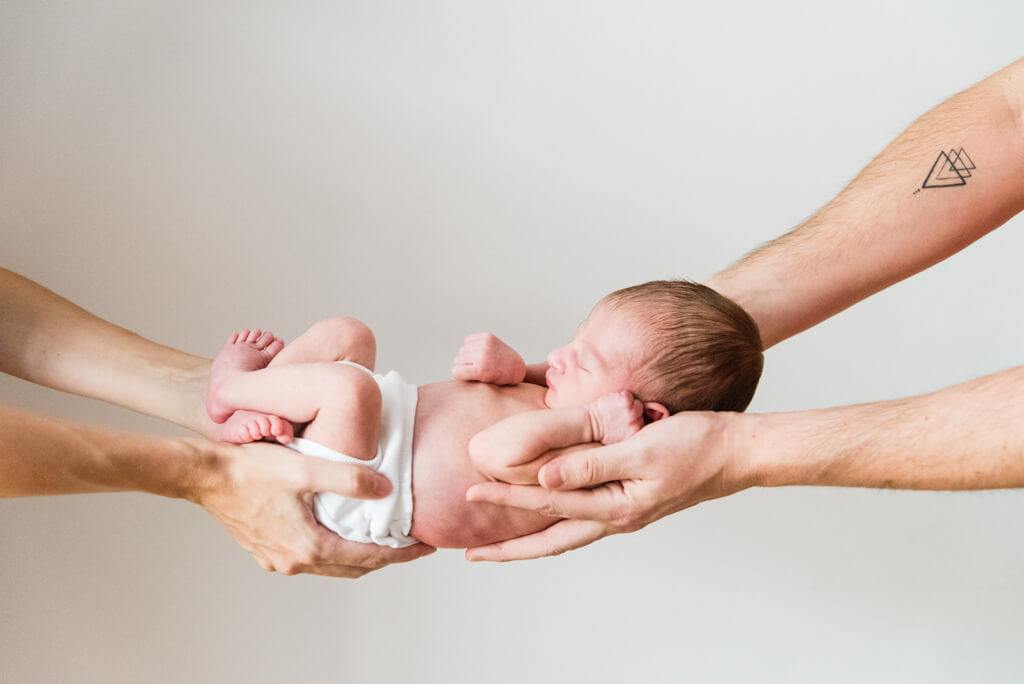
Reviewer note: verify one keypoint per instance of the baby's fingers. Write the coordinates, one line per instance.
(467, 355)
(465, 371)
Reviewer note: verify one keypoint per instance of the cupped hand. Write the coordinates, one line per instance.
(485, 358)
(667, 466)
(263, 495)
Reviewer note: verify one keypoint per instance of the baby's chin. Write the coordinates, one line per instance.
(551, 399)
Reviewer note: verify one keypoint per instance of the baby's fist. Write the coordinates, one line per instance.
(485, 358)
(615, 417)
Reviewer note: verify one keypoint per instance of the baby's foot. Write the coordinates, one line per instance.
(249, 426)
(244, 352)
(615, 417)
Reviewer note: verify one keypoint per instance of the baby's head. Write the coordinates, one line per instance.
(674, 344)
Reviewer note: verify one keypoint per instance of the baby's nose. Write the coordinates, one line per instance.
(555, 360)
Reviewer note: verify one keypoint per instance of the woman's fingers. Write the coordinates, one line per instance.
(355, 481)
(338, 557)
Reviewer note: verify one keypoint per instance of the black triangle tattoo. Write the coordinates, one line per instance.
(962, 162)
(950, 170)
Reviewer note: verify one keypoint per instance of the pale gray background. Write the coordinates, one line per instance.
(189, 168)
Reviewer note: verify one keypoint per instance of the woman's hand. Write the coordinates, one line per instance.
(263, 495)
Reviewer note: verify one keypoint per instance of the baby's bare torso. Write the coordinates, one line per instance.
(448, 415)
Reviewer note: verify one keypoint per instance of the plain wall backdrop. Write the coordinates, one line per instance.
(186, 169)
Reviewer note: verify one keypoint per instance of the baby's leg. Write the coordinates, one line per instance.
(332, 339)
(341, 404)
(248, 350)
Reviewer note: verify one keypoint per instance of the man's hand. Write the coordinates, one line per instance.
(485, 358)
(263, 495)
(669, 465)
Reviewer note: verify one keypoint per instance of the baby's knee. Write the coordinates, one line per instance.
(349, 337)
(353, 387)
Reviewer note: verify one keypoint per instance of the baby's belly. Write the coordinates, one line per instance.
(448, 414)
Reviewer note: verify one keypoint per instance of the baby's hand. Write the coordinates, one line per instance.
(615, 417)
(485, 358)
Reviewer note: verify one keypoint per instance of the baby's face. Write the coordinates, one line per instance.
(602, 358)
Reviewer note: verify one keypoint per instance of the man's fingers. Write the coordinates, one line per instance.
(602, 503)
(356, 481)
(561, 537)
(588, 468)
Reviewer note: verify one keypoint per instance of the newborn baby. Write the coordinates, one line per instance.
(643, 353)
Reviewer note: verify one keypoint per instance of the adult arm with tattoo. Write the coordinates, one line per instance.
(915, 204)
(950, 178)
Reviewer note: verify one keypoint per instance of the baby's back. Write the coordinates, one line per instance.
(448, 415)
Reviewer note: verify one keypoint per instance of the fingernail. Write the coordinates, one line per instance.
(551, 477)
(381, 485)
(471, 494)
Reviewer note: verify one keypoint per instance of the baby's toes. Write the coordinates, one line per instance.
(281, 429)
(253, 431)
(261, 425)
(235, 431)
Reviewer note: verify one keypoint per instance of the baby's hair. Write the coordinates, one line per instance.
(704, 351)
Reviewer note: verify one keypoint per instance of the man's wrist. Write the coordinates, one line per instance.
(750, 442)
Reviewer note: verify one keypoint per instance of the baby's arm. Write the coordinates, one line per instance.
(514, 449)
(485, 358)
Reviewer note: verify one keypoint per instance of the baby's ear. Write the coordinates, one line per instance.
(654, 411)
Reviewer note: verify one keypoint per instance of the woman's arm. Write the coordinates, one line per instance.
(260, 492)
(47, 340)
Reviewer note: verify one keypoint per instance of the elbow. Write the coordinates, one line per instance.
(482, 452)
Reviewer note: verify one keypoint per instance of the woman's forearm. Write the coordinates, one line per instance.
(970, 436)
(50, 341)
(40, 455)
(889, 223)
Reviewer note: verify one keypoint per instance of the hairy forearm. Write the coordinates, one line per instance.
(50, 341)
(970, 436)
(40, 456)
(885, 226)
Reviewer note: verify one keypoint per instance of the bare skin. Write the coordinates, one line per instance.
(339, 407)
(886, 225)
(260, 493)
